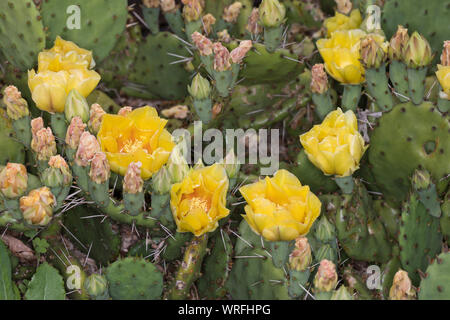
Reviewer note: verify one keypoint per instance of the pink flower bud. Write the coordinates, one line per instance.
(301, 257)
(208, 21)
(326, 277)
(203, 44)
(238, 54)
(13, 180)
(124, 111)
(37, 206)
(231, 13)
(132, 182)
(253, 25)
(221, 57)
(87, 148)
(319, 79)
(74, 132)
(36, 125)
(445, 56)
(44, 144)
(16, 106)
(95, 117)
(100, 169)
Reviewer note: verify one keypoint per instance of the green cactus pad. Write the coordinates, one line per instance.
(134, 279)
(435, 286)
(419, 238)
(101, 23)
(248, 239)
(21, 33)
(254, 277)
(216, 268)
(154, 67)
(430, 18)
(389, 216)
(407, 137)
(12, 150)
(298, 281)
(445, 218)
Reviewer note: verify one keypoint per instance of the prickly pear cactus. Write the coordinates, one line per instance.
(434, 286)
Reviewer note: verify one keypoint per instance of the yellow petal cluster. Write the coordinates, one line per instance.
(341, 54)
(61, 69)
(37, 206)
(280, 208)
(198, 202)
(335, 146)
(137, 136)
(343, 22)
(443, 75)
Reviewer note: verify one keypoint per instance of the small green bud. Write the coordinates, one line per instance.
(271, 13)
(341, 294)
(325, 231)
(421, 179)
(96, 285)
(57, 174)
(231, 164)
(418, 52)
(200, 88)
(76, 105)
(177, 166)
(161, 181)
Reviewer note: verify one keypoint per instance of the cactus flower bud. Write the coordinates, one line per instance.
(124, 111)
(168, 5)
(231, 13)
(37, 206)
(417, 52)
(95, 118)
(87, 148)
(177, 165)
(100, 170)
(402, 288)
(16, 106)
(96, 286)
(203, 44)
(344, 6)
(178, 112)
(44, 144)
(421, 179)
(326, 277)
(76, 105)
(13, 180)
(319, 79)
(325, 231)
(224, 36)
(161, 181)
(398, 43)
(231, 164)
(74, 132)
(221, 57)
(271, 13)
(238, 54)
(300, 258)
(445, 56)
(36, 125)
(57, 174)
(192, 10)
(132, 182)
(200, 88)
(151, 3)
(341, 294)
(208, 21)
(253, 25)
(372, 53)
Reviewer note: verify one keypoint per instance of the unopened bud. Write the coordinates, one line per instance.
(418, 52)
(203, 44)
(216, 109)
(372, 54)
(192, 10)
(168, 5)
(208, 22)
(37, 206)
(231, 13)
(57, 174)
(132, 182)
(16, 106)
(398, 43)
(161, 181)
(177, 166)
(341, 294)
(421, 179)
(344, 6)
(124, 111)
(87, 148)
(74, 132)
(271, 13)
(36, 125)
(326, 276)
(221, 57)
(253, 25)
(76, 105)
(200, 88)
(100, 170)
(44, 144)
(445, 56)
(238, 54)
(96, 285)
(231, 164)
(13, 180)
(223, 36)
(301, 257)
(325, 231)
(151, 3)
(402, 288)
(319, 79)
(95, 118)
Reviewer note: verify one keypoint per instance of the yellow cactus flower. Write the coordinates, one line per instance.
(443, 75)
(280, 208)
(335, 146)
(37, 206)
(137, 136)
(343, 22)
(198, 202)
(341, 54)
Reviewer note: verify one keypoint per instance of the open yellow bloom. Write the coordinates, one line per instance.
(342, 22)
(198, 202)
(335, 146)
(443, 75)
(137, 136)
(341, 54)
(280, 208)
